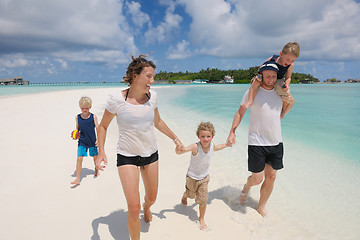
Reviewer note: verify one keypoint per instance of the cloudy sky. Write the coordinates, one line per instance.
(92, 40)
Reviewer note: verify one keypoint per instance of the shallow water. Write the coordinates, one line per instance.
(311, 199)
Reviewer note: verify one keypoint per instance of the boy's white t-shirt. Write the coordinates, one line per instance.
(265, 123)
(136, 125)
(200, 163)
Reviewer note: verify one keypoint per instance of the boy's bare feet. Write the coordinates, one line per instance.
(76, 182)
(147, 214)
(97, 173)
(243, 195)
(184, 200)
(203, 225)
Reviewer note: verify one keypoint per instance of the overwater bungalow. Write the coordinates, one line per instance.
(13, 81)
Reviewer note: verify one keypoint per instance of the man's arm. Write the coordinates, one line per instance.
(237, 120)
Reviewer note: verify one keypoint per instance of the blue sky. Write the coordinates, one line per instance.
(92, 40)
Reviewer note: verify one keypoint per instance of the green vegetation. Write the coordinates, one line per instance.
(216, 75)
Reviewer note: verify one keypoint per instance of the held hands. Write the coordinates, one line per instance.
(228, 144)
(179, 146)
(101, 158)
(231, 139)
(178, 149)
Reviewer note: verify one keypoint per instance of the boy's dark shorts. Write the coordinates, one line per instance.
(258, 156)
(136, 160)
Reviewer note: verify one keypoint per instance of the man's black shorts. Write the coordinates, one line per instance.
(136, 160)
(258, 156)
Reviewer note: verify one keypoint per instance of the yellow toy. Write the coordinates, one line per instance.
(75, 135)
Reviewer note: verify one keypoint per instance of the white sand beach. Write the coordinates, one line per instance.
(38, 162)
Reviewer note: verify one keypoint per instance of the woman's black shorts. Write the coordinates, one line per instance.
(136, 160)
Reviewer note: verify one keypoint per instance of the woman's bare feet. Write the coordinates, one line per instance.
(76, 182)
(147, 214)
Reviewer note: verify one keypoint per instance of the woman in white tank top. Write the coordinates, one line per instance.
(137, 114)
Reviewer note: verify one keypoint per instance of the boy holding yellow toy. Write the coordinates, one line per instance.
(86, 125)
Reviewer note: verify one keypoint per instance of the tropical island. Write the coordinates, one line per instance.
(214, 75)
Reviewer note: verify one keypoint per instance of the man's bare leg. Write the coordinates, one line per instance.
(253, 179)
(266, 189)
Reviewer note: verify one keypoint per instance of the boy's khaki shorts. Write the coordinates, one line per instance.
(278, 87)
(197, 189)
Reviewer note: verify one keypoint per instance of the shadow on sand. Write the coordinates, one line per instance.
(117, 224)
(84, 173)
(117, 221)
(228, 194)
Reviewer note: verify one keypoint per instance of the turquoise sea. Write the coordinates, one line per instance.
(325, 116)
(316, 194)
(37, 88)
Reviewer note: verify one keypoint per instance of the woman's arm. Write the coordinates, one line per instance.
(101, 133)
(163, 128)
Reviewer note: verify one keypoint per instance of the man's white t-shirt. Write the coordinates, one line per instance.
(265, 124)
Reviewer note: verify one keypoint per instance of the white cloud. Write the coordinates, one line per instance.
(105, 32)
(181, 51)
(42, 27)
(13, 61)
(63, 63)
(95, 56)
(50, 71)
(324, 28)
(163, 31)
(138, 17)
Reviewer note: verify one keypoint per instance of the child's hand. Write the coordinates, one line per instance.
(230, 140)
(259, 77)
(228, 144)
(256, 80)
(179, 148)
(285, 88)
